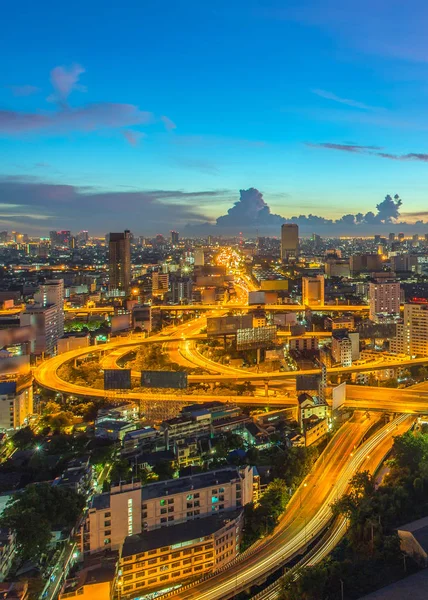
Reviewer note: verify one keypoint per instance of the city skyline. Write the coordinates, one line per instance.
(317, 113)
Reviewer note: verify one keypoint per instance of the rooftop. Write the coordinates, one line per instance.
(176, 534)
(193, 482)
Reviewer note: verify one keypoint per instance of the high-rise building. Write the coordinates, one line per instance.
(120, 261)
(51, 293)
(199, 256)
(364, 263)
(83, 237)
(289, 241)
(384, 299)
(181, 290)
(313, 290)
(16, 403)
(44, 321)
(391, 238)
(412, 333)
(400, 237)
(60, 239)
(160, 282)
(175, 236)
(404, 263)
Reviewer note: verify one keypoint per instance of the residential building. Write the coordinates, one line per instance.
(289, 241)
(313, 290)
(181, 290)
(43, 320)
(140, 439)
(412, 334)
(341, 348)
(16, 403)
(337, 267)
(343, 322)
(175, 237)
(404, 263)
(303, 344)
(129, 509)
(384, 299)
(310, 406)
(160, 559)
(314, 429)
(95, 582)
(120, 262)
(113, 430)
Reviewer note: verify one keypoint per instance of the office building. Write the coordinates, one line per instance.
(391, 238)
(401, 237)
(51, 293)
(337, 267)
(384, 299)
(43, 319)
(175, 237)
(404, 263)
(313, 291)
(412, 333)
(120, 261)
(161, 559)
(181, 290)
(60, 239)
(289, 241)
(160, 283)
(130, 509)
(365, 263)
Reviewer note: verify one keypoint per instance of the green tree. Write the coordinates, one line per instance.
(32, 513)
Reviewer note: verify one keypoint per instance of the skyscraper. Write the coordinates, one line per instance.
(120, 261)
(175, 238)
(289, 241)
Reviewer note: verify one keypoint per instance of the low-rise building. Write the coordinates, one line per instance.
(314, 429)
(140, 439)
(113, 430)
(159, 559)
(96, 582)
(310, 406)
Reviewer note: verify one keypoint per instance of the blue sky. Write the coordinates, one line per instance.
(155, 114)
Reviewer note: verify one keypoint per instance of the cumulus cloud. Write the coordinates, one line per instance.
(64, 80)
(371, 150)
(252, 214)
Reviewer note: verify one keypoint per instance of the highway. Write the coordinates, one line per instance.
(308, 511)
(407, 400)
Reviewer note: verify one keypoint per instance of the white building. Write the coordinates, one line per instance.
(341, 349)
(384, 299)
(129, 509)
(52, 293)
(44, 321)
(313, 290)
(412, 333)
(16, 403)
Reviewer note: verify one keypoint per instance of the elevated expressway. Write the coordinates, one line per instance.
(396, 400)
(308, 512)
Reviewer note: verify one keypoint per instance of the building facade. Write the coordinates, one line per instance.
(412, 334)
(384, 299)
(313, 290)
(120, 261)
(289, 241)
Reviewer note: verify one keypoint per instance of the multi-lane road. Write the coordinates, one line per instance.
(309, 510)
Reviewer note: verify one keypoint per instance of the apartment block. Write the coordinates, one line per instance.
(160, 559)
(130, 509)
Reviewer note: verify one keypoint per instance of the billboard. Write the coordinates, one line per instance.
(164, 379)
(117, 379)
(307, 382)
(228, 325)
(255, 337)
